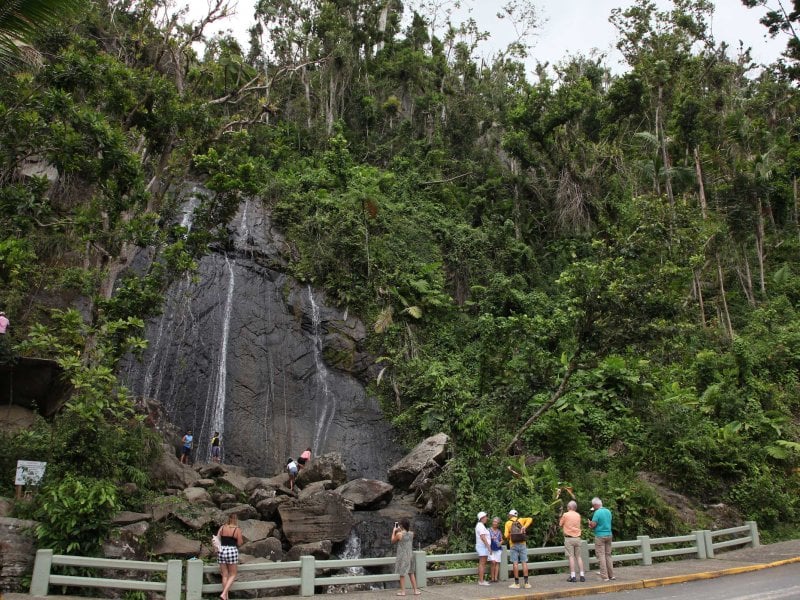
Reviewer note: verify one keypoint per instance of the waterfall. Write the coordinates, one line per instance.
(328, 400)
(352, 550)
(220, 390)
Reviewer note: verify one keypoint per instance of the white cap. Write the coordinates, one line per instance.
(482, 515)
(513, 513)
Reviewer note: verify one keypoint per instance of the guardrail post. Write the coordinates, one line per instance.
(587, 566)
(421, 567)
(194, 579)
(307, 574)
(174, 579)
(504, 563)
(40, 581)
(647, 556)
(755, 543)
(700, 542)
(709, 543)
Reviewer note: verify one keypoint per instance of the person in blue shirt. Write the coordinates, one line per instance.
(600, 522)
(187, 446)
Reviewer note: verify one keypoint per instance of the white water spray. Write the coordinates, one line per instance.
(218, 414)
(328, 400)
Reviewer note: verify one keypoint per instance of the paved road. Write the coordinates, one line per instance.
(778, 583)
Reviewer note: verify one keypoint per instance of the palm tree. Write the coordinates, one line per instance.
(20, 19)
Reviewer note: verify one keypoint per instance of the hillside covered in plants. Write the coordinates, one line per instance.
(589, 281)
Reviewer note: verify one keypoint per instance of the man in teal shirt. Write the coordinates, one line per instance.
(601, 523)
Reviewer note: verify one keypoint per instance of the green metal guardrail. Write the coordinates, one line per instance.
(303, 574)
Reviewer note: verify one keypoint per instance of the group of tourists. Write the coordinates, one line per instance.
(187, 443)
(489, 544)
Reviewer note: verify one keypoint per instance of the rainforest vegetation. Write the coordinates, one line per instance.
(589, 280)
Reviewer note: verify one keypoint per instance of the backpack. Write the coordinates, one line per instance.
(518, 533)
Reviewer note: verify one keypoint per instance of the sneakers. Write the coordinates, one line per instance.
(572, 580)
(527, 586)
(483, 583)
(583, 578)
(514, 586)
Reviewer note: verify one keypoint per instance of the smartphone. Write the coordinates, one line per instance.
(396, 524)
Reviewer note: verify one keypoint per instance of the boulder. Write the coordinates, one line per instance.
(323, 516)
(243, 511)
(6, 506)
(268, 509)
(163, 507)
(428, 453)
(267, 548)
(205, 483)
(197, 495)
(258, 483)
(17, 552)
(211, 471)
(259, 494)
(15, 418)
(327, 466)
(221, 498)
(236, 478)
(366, 494)
(321, 550)
(127, 517)
(316, 487)
(278, 481)
(174, 544)
(197, 517)
(127, 542)
(169, 472)
(254, 530)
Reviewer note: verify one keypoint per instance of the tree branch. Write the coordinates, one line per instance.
(560, 391)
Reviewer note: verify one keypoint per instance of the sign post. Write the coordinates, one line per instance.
(29, 472)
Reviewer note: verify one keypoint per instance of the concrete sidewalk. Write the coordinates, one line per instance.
(550, 587)
(546, 587)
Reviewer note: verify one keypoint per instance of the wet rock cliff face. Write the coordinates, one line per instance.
(246, 350)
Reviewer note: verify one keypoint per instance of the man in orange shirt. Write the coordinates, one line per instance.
(570, 524)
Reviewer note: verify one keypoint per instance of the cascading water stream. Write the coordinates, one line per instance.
(328, 400)
(220, 389)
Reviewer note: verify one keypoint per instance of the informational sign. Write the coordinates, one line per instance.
(29, 472)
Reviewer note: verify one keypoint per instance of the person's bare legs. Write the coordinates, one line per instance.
(402, 591)
(232, 570)
(481, 567)
(223, 569)
(413, 579)
(495, 571)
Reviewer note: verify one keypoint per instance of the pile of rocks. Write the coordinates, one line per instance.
(324, 511)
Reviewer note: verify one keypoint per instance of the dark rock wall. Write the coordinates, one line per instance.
(244, 348)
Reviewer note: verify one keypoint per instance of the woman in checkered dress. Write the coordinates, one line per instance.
(228, 558)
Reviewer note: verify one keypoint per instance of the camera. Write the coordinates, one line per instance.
(396, 524)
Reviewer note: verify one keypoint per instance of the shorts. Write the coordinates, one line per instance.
(292, 472)
(215, 451)
(301, 461)
(518, 553)
(228, 555)
(482, 550)
(186, 451)
(494, 556)
(572, 547)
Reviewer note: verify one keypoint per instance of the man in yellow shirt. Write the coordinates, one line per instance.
(518, 546)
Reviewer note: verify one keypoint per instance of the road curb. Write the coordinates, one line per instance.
(624, 586)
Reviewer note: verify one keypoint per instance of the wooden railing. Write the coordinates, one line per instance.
(304, 575)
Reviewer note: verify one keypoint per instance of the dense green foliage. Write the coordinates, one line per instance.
(588, 278)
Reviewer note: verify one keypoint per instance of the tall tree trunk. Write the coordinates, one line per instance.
(699, 295)
(726, 315)
(662, 137)
(760, 248)
(701, 188)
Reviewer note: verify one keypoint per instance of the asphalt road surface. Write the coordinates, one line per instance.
(778, 583)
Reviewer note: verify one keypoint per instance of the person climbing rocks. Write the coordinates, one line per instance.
(187, 441)
(291, 468)
(305, 458)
